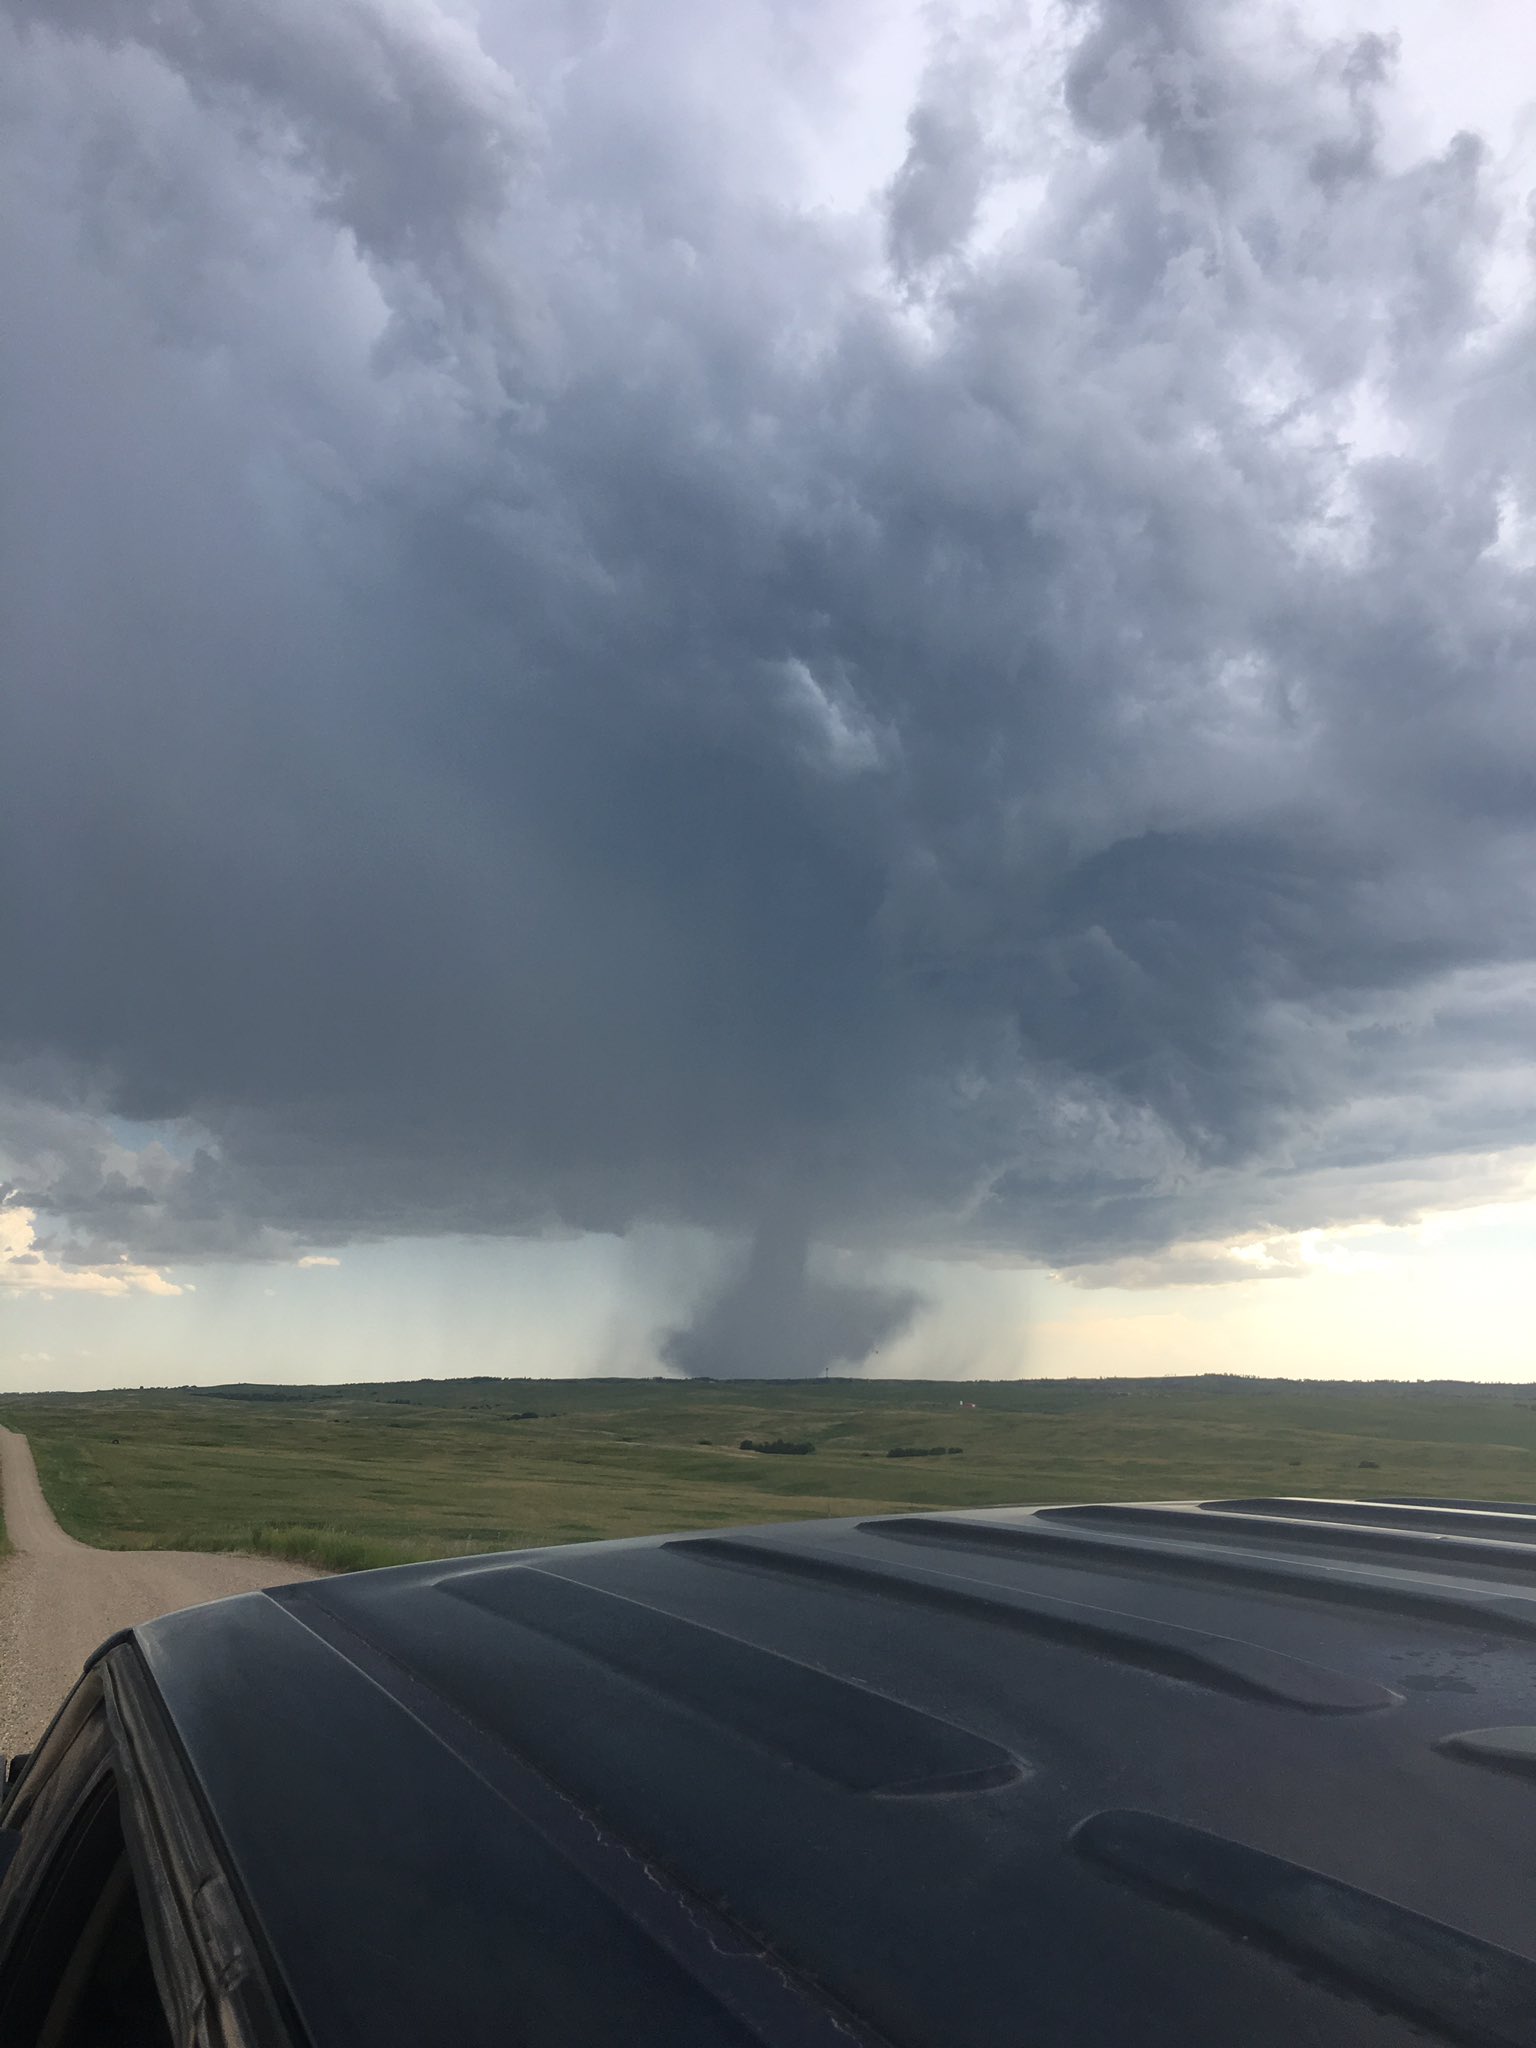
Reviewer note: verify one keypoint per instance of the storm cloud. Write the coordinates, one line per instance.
(556, 677)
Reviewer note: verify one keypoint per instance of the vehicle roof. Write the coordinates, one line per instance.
(1256, 1771)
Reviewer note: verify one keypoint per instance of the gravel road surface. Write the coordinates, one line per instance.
(60, 1598)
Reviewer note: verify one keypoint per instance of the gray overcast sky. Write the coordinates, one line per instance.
(901, 633)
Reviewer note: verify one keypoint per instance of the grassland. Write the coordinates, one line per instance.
(348, 1477)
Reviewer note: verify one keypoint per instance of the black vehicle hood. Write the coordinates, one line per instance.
(1254, 1772)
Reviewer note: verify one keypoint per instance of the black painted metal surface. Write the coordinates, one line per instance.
(1251, 1772)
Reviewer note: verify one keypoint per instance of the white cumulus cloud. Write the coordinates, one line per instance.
(24, 1266)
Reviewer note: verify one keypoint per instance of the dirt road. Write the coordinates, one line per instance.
(60, 1598)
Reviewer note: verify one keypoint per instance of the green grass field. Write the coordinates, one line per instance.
(367, 1475)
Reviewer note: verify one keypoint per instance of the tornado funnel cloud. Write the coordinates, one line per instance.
(775, 1318)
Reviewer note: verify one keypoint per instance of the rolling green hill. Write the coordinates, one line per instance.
(351, 1476)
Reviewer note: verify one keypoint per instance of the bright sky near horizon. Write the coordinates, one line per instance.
(1448, 1298)
(839, 686)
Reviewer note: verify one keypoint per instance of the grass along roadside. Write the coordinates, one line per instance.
(328, 1550)
(352, 1477)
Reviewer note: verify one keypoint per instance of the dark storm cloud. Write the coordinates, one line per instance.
(550, 682)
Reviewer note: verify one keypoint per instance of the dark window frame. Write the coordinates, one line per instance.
(66, 1881)
(112, 1742)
